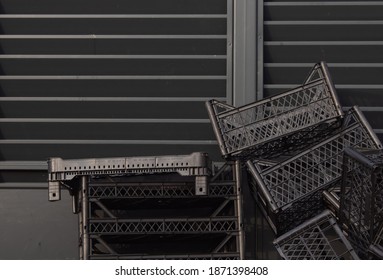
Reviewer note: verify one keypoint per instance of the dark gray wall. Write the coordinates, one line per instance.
(33, 228)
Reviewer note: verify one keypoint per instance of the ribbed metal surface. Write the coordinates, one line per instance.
(345, 34)
(81, 73)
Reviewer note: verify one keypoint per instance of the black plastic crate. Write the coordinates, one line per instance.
(271, 126)
(361, 200)
(319, 238)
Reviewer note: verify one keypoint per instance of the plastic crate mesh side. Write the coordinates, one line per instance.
(299, 212)
(315, 169)
(362, 199)
(320, 238)
(289, 145)
(253, 125)
(305, 174)
(309, 243)
(355, 210)
(376, 157)
(359, 244)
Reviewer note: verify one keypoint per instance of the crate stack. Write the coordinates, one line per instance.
(361, 201)
(292, 145)
(163, 207)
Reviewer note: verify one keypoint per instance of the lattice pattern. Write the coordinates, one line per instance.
(362, 197)
(222, 189)
(163, 190)
(317, 239)
(213, 225)
(289, 145)
(376, 249)
(293, 216)
(142, 190)
(315, 168)
(299, 212)
(255, 124)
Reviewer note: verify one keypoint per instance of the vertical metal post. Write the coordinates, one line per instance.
(238, 209)
(260, 46)
(244, 51)
(84, 229)
(229, 53)
(80, 235)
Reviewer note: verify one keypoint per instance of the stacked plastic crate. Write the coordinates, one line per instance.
(163, 207)
(293, 145)
(361, 201)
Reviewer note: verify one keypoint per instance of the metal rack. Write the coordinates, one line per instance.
(361, 206)
(290, 190)
(155, 213)
(279, 122)
(319, 238)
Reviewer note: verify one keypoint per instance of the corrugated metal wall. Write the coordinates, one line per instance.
(346, 34)
(89, 78)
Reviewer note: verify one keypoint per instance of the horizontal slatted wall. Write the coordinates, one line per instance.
(346, 34)
(95, 79)
(92, 78)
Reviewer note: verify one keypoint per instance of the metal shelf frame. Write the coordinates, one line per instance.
(100, 225)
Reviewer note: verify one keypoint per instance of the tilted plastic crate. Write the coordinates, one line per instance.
(319, 238)
(281, 122)
(293, 185)
(65, 173)
(361, 203)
